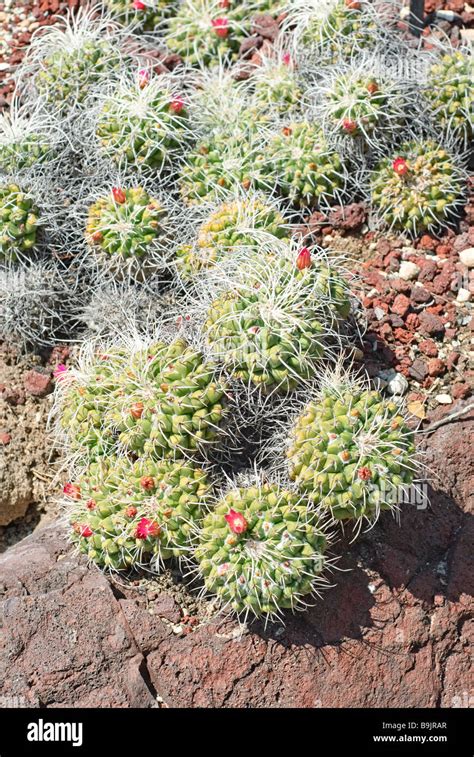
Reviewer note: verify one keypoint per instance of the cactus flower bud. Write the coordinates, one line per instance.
(72, 490)
(286, 59)
(177, 104)
(304, 259)
(147, 483)
(147, 528)
(372, 87)
(224, 4)
(136, 410)
(85, 531)
(221, 26)
(349, 125)
(236, 521)
(118, 195)
(91, 504)
(354, 5)
(143, 78)
(365, 474)
(138, 5)
(60, 371)
(130, 511)
(400, 166)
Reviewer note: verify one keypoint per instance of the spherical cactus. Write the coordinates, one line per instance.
(303, 167)
(126, 227)
(449, 92)
(125, 513)
(24, 152)
(143, 122)
(223, 165)
(206, 31)
(351, 451)
(276, 316)
(145, 15)
(19, 222)
(333, 30)
(38, 304)
(261, 551)
(228, 228)
(419, 189)
(170, 403)
(276, 86)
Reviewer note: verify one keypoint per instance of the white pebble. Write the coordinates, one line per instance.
(408, 270)
(467, 257)
(379, 313)
(444, 399)
(397, 385)
(464, 295)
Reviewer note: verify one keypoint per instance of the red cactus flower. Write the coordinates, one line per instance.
(147, 483)
(143, 78)
(221, 26)
(400, 166)
(286, 59)
(349, 125)
(60, 371)
(136, 410)
(97, 237)
(224, 4)
(138, 5)
(287, 131)
(119, 195)
(147, 528)
(130, 511)
(177, 104)
(91, 504)
(365, 474)
(236, 521)
(85, 531)
(72, 490)
(304, 259)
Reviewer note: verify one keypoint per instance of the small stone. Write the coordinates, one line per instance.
(431, 324)
(408, 270)
(452, 359)
(401, 305)
(444, 399)
(467, 257)
(464, 295)
(428, 347)
(398, 385)
(379, 313)
(428, 270)
(436, 367)
(5, 438)
(420, 295)
(38, 384)
(461, 390)
(418, 370)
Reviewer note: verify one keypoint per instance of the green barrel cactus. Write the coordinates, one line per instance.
(420, 189)
(19, 222)
(126, 224)
(204, 32)
(171, 402)
(351, 452)
(143, 123)
(275, 319)
(303, 167)
(145, 15)
(228, 228)
(450, 92)
(124, 514)
(261, 551)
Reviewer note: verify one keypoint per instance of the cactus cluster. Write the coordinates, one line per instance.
(261, 550)
(146, 15)
(228, 229)
(351, 451)
(418, 189)
(449, 92)
(19, 222)
(277, 316)
(126, 224)
(126, 513)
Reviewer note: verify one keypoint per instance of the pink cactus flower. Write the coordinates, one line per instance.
(60, 371)
(147, 528)
(304, 259)
(400, 166)
(137, 5)
(72, 490)
(85, 531)
(221, 26)
(177, 104)
(349, 125)
(236, 522)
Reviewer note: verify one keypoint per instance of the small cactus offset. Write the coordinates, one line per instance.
(261, 551)
(24, 140)
(126, 225)
(142, 123)
(450, 93)
(350, 451)
(229, 228)
(303, 167)
(277, 316)
(124, 514)
(146, 15)
(420, 188)
(276, 85)
(19, 222)
(206, 31)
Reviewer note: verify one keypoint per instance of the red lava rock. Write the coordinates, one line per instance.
(412, 321)
(348, 217)
(431, 324)
(401, 305)
(249, 45)
(461, 390)
(403, 336)
(418, 370)
(265, 26)
(396, 322)
(452, 359)
(428, 347)
(38, 384)
(443, 250)
(427, 242)
(5, 438)
(436, 367)
(386, 331)
(400, 285)
(428, 270)
(420, 295)
(441, 283)
(383, 247)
